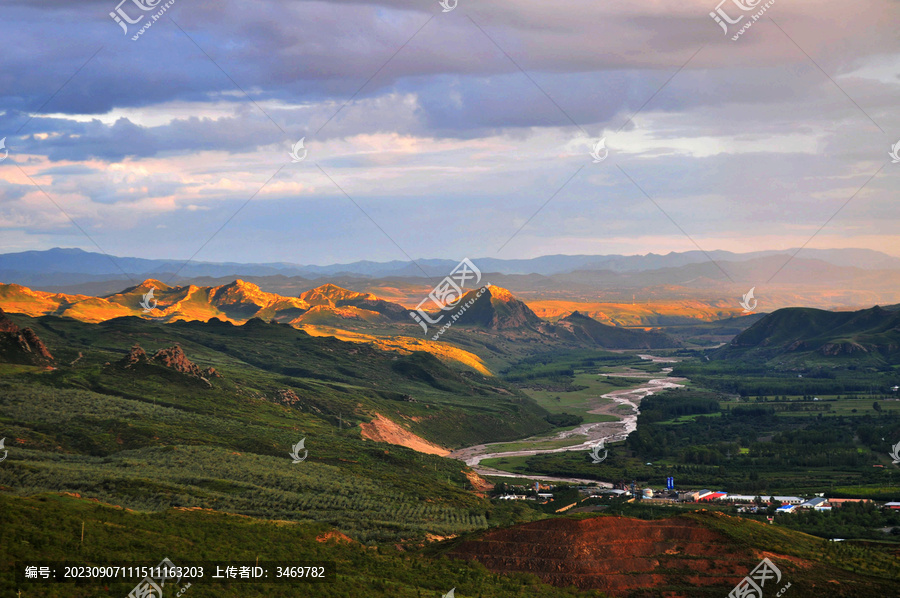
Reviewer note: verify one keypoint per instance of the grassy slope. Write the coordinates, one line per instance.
(860, 571)
(814, 567)
(48, 527)
(867, 336)
(150, 438)
(333, 376)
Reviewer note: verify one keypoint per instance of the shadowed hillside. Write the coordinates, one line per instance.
(580, 327)
(869, 334)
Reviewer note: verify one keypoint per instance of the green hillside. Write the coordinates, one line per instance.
(48, 528)
(331, 377)
(870, 335)
(149, 437)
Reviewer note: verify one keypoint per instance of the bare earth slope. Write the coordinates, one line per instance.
(381, 429)
(613, 554)
(678, 557)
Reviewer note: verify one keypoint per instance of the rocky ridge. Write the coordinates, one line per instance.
(172, 358)
(21, 345)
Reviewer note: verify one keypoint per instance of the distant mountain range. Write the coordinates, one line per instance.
(235, 302)
(650, 290)
(325, 310)
(56, 267)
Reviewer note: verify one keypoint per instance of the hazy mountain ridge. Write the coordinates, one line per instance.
(827, 279)
(60, 266)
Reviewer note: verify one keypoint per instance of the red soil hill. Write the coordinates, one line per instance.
(617, 555)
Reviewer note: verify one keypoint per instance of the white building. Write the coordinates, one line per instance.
(787, 500)
(814, 503)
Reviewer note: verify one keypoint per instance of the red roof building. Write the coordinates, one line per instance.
(713, 496)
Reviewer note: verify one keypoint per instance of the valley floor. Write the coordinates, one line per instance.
(584, 436)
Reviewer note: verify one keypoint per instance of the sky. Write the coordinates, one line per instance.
(435, 131)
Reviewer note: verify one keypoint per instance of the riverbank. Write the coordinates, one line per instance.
(611, 403)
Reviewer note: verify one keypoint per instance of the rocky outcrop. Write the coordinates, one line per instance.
(289, 398)
(29, 341)
(21, 345)
(175, 359)
(286, 396)
(172, 358)
(7, 326)
(845, 348)
(134, 357)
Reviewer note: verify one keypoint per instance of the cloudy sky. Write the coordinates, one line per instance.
(447, 134)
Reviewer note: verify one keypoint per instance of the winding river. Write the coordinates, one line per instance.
(594, 432)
